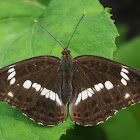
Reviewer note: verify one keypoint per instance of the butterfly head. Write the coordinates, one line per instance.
(66, 52)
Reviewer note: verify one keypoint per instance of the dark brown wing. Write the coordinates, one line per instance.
(34, 85)
(101, 87)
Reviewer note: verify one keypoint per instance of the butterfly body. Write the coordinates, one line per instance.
(67, 75)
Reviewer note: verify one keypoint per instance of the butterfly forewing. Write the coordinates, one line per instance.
(34, 82)
(101, 87)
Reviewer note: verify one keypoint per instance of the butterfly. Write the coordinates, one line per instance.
(93, 87)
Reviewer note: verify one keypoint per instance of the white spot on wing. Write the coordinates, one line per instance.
(58, 100)
(108, 85)
(10, 94)
(12, 81)
(100, 122)
(84, 95)
(11, 70)
(97, 87)
(108, 118)
(89, 94)
(101, 85)
(124, 66)
(78, 99)
(124, 75)
(124, 82)
(125, 70)
(36, 86)
(127, 95)
(24, 114)
(44, 91)
(47, 95)
(11, 66)
(11, 75)
(27, 84)
(90, 90)
(40, 123)
(32, 119)
(52, 95)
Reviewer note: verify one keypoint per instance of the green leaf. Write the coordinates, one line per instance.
(128, 53)
(22, 38)
(123, 31)
(95, 34)
(122, 126)
(16, 21)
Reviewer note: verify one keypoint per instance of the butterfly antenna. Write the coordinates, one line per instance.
(76, 28)
(50, 34)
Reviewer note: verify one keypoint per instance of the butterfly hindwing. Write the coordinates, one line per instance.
(47, 112)
(101, 87)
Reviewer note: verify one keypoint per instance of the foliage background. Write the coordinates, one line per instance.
(20, 38)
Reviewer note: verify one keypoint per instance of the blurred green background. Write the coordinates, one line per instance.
(18, 42)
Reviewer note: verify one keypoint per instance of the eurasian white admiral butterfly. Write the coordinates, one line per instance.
(94, 87)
